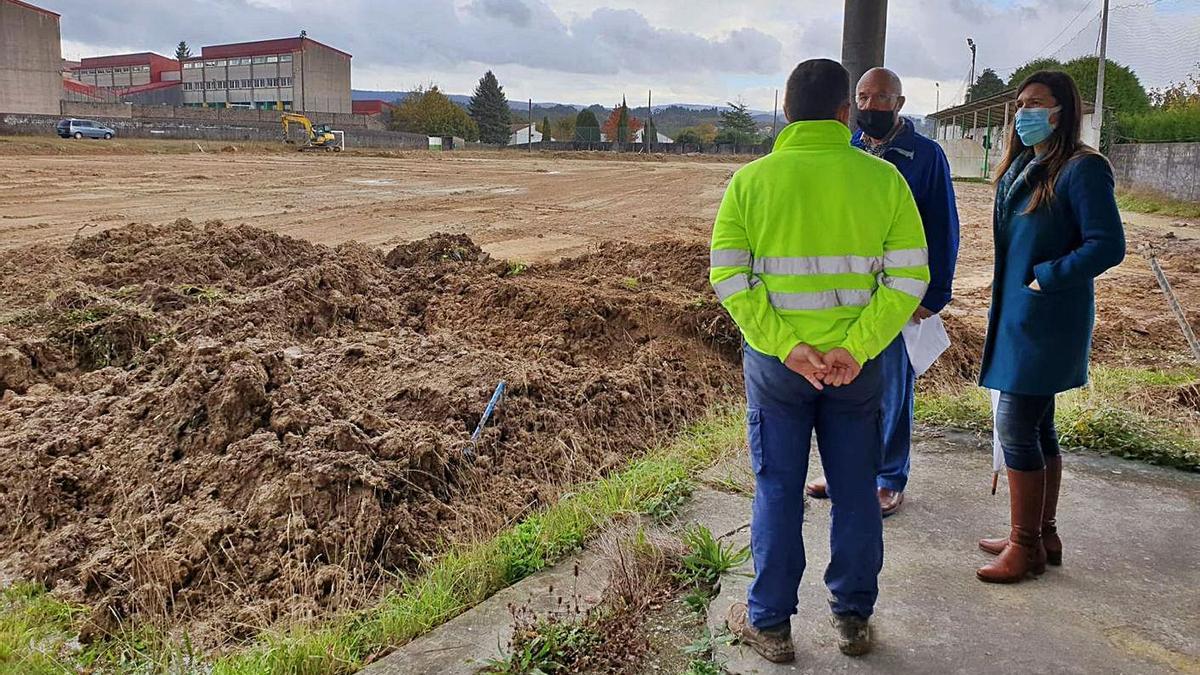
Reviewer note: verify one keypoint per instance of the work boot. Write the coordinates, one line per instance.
(1024, 553)
(817, 489)
(1051, 544)
(773, 644)
(854, 634)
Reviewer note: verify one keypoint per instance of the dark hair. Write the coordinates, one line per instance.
(1064, 142)
(816, 90)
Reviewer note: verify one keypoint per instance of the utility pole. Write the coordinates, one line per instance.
(971, 44)
(530, 129)
(937, 106)
(864, 34)
(650, 116)
(775, 117)
(1098, 116)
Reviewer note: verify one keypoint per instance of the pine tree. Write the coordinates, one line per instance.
(987, 84)
(738, 125)
(489, 109)
(183, 52)
(547, 133)
(587, 127)
(623, 123)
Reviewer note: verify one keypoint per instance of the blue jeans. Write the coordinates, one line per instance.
(1025, 425)
(899, 384)
(782, 413)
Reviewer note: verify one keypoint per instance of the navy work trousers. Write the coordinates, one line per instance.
(899, 384)
(783, 411)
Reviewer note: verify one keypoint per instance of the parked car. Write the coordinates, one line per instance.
(73, 128)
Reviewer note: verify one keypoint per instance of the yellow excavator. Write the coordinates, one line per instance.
(320, 136)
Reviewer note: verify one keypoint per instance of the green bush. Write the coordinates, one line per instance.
(1178, 124)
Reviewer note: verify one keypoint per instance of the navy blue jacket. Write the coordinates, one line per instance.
(1039, 342)
(924, 166)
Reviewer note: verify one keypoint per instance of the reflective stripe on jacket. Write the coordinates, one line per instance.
(821, 244)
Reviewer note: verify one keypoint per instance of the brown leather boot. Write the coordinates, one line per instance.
(1051, 544)
(1027, 492)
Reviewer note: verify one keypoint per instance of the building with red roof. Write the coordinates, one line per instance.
(282, 74)
(373, 106)
(30, 59)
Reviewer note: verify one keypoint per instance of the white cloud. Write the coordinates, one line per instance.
(701, 51)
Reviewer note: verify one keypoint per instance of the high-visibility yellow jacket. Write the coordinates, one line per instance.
(819, 243)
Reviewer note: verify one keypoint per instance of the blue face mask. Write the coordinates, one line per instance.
(1033, 124)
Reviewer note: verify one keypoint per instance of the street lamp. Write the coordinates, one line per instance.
(938, 88)
(971, 44)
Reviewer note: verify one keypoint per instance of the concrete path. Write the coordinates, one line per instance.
(1127, 599)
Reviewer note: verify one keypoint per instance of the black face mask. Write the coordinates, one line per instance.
(876, 123)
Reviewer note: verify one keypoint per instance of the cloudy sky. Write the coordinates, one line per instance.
(687, 51)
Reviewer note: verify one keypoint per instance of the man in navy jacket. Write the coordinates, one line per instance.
(883, 133)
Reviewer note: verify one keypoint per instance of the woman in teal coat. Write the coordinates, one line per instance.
(1056, 228)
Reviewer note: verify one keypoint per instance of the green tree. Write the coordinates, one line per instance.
(1123, 92)
(688, 135)
(183, 51)
(623, 123)
(738, 125)
(546, 130)
(489, 110)
(1032, 67)
(564, 128)
(987, 84)
(587, 127)
(429, 112)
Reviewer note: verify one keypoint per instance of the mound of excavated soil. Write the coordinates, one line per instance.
(218, 427)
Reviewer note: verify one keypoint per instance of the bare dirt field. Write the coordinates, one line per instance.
(171, 324)
(526, 208)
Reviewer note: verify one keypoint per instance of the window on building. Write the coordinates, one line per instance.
(210, 64)
(260, 59)
(272, 59)
(285, 58)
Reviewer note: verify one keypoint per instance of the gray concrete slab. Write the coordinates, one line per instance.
(1127, 599)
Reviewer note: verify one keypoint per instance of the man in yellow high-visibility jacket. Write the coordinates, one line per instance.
(819, 255)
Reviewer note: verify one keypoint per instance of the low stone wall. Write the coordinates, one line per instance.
(658, 148)
(1172, 169)
(204, 130)
(89, 110)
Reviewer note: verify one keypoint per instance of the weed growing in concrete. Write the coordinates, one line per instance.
(706, 561)
(703, 652)
(667, 505)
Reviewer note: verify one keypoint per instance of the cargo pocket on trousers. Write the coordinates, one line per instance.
(754, 439)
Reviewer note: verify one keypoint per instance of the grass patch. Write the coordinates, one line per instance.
(1149, 202)
(631, 283)
(973, 179)
(34, 630)
(1121, 413)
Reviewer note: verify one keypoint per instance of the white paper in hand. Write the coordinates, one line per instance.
(997, 449)
(926, 341)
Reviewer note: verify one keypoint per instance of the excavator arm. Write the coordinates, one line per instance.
(288, 118)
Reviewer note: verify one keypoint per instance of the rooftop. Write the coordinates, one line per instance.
(140, 58)
(259, 47)
(35, 8)
(990, 109)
